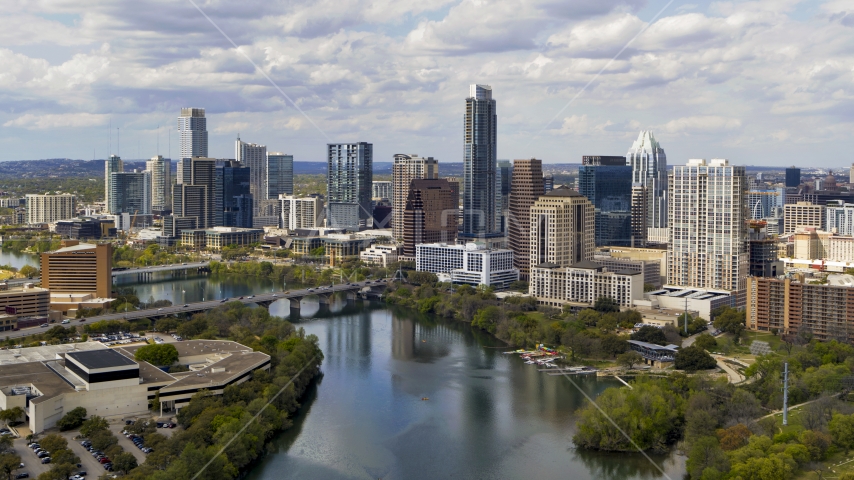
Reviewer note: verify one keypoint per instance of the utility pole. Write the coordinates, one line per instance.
(686, 316)
(785, 393)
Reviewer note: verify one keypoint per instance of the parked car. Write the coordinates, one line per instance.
(44, 325)
(66, 321)
(22, 475)
(46, 460)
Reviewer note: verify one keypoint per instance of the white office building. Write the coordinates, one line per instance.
(112, 165)
(301, 212)
(840, 217)
(381, 189)
(583, 283)
(50, 208)
(470, 263)
(160, 170)
(193, 130)
(254, 156)
(380, 255)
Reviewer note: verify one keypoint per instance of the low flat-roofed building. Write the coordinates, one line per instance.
(699, 300)
(381, 255)
(25, 300)
(657, 355)
(650, 269)
(48, 382)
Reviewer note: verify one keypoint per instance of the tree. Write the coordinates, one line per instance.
(607, 323)
(72, 419)
(816, 442)
(629, 359)
(649, 334)
(693, 358)
(124, 462)
(743, 406)
(29, 271)
(11, 414)
(58, 471)
(706, 342)
(519, 286)
(53, 442)
(421, 278)
(160, 355)
(734, 437)
(613, 345)
(606, 305)
(92, 425)
(842, 430)
(166, 325)
(706, 453)
(731, 320)
(9, 462)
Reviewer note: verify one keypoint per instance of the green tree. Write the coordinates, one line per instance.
(124, 462)
(58, 471)
(53, 442)
(693, 358)
(816, 442)
(72, 419)
(487, 318)
(730, 320)
(606, 305)
(706, 342)
(650, 334)
(842, 430)
(613, 345)
(629, 359)
(92, 425)
(706, 453)
(159, 355)
(9, 462)
(166, 324)
(11, 414)
(29, 271)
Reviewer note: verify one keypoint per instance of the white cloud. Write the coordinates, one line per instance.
(700, 125)
(73, 120)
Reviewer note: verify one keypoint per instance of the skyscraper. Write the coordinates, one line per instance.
(562, 226)
(793, 176)
(480, 212)
(111, 165)
(301, 212)
(405, 169)
(193, 130)
(254, 156)
(279, 175)
(195, 197)
(430, 215)
(609, 188)
(233, 204)
(708, 226)
(349, 179)
(525, 188)
(649, 170)
(130, 192)
(161, 183)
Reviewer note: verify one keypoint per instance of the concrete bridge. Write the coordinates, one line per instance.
(142, 273)
(353, 291)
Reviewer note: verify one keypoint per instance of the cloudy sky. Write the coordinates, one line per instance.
(766, 82)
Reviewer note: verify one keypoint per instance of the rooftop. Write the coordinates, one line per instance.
(37, 374)
(563, 192)
(199, 347)
(218, 373)
(76, 248)
(106, 358)
(47, 352)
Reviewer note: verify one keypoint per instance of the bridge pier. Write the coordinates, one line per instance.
(323, 299)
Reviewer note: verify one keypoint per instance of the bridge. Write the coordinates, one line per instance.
(142, 273)
(363, 289)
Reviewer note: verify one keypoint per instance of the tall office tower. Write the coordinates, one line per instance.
(196, 198)
(803, 214)
(254, 156)
(480, 219)
(233, 204)
(526, 187)
(609, 189)
(793, 176)
(649, 169)
(349, 178)
(548, 183)
(761, 201)
(193, 130)
(130, 192)
(50, 208)
(279, 175)
(161, 183)
(708, 226)
(405, 169)
(430, 215)
(301, 212)
(638, 215)
(562, 225)
(381, 189)
(840, 216)
(611, 160)
(79, 268)
(111, 165)
(183, 171)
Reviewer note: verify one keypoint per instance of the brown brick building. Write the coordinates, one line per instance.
(526, 187)
(430, 215)
(79, 268)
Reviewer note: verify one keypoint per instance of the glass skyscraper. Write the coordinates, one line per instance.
(349, 180)
(193, 130)
(649, 170)
(481, 195)
(609, 189)
(279, 175)
(233, 202)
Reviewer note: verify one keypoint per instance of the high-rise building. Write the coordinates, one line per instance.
(851, 174)
(548, 183)
(793, 176)
(183, 171)
(471, 264)
(480, 212)
(301, 212)
(196, 198)
(562, 229)
(254, 156)
(130, 192)
(708, 226)
(840, 216)
(279, 175)
(526, 187)
(762, 200)
(503, 175)
(381, 189)
(649, 170)
(233, 204)
(803, 214)
(609, 189)
(405, 169)
(111, 165)
(79, 269)
(161, 184)
(430, 215)
(349, 179)
(193, 130)
(50, 208)
(762, 252)
(611, 160)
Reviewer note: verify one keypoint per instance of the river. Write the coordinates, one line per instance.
(488, 415)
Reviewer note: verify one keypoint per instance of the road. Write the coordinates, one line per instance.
(734, 375)
(207, 305)
(129, 271)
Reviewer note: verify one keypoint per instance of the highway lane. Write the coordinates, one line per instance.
(203, 306)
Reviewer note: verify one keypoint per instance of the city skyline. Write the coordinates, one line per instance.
(702, 76)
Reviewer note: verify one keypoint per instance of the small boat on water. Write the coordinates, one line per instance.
(424, 399)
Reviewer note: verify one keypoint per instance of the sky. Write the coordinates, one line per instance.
(764, 82)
